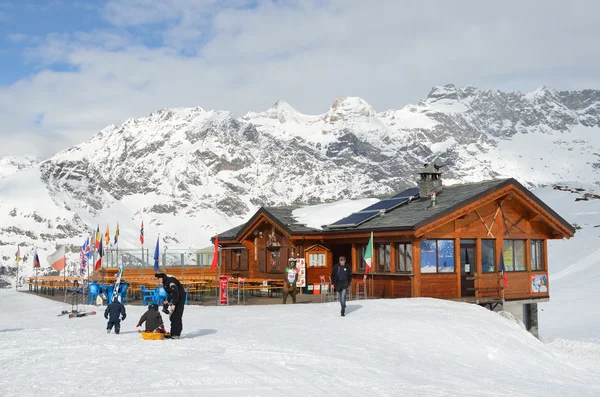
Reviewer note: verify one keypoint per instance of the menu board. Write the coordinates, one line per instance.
(301, 266)
(316, 260)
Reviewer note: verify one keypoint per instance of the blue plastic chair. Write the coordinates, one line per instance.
(109, 293)
(123, 292)
(148, 295)
(186, 294)
(161, 295)
(94, 290)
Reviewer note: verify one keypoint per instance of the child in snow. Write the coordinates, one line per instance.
(112, 313)
(153, 319)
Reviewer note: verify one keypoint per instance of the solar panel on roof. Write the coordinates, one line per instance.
(386, 204)
(355, 219)
(411, 192)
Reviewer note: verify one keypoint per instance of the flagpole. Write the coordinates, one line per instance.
(36, 273)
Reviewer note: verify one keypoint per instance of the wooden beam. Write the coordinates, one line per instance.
(515, 225)
(489, 229)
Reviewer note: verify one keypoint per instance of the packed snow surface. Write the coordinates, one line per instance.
(402, 347)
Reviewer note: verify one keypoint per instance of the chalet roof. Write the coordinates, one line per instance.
(411, 215)
(420, 211)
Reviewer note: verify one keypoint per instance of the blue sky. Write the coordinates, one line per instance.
(71, 67)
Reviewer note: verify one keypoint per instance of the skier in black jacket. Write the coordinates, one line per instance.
(112, 313)
(176, 301)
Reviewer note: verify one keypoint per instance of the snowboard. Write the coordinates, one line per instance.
(82, 314)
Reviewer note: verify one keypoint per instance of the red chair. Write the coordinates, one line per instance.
(364, 285)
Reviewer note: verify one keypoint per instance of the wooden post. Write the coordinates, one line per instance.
(416, 248)
(478, 267)
(457, 267)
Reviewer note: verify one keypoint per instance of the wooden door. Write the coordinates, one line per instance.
(467, 267)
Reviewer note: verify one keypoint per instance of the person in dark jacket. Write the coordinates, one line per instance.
(112, 314)
(341, 277)
(176, 301)
(153, 319)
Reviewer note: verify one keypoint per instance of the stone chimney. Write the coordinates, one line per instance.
(431, 180)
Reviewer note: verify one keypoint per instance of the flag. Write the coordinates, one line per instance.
(98, 239)
(156, 256)
(107, 236)
(36, 260)
(85, 251)
(117, 234)
(369, 254)
(142, 234)
(215, 260)
(99, 261)
(502, 269)
(57, 259)
(18, 255)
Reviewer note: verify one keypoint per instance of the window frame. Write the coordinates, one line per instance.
(536, 246)
(437, 256)
(495, 264)
(407, 254)
(514, 264)
(360, 257)
(387, 267)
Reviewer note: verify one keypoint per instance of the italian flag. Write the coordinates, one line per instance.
(369, 254)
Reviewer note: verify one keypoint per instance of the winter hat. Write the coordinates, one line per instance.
(342, 258)
(159, 275)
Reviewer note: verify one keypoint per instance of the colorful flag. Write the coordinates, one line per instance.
(215, 260)
(57, 260)
(107, 236)
(36, 260)
(85, 251)
(156, 256)
(117, 234)
(369, 254)
(142, 234)
(502, 269)
(18, 255)
(99, 260)
(98, 239)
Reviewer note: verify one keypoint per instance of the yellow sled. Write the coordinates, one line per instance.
(154, 335)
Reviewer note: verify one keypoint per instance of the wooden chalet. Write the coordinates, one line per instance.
(434, 241)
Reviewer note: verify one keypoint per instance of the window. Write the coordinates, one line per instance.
(437, 256)
(384, 258)
(360, 256)
(488, 256)
(537, 255)
(274, 259)
(236, 262)
(514, 255)
(404, 258)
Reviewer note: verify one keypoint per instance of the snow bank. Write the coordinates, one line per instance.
(408, 347)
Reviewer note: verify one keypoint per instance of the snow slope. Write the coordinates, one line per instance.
(408, 347)
(572, 312)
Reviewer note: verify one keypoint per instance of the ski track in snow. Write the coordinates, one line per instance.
(416, 347)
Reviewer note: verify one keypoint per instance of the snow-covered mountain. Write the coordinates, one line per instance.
(189, 173)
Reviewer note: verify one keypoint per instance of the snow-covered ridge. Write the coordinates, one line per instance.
(191, 172)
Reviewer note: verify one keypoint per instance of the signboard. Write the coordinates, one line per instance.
(539, 284)
(301, 266)
(317, 260)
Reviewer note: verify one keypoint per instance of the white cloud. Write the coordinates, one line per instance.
(243, 56)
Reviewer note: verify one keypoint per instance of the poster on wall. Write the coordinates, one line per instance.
(301, 266)
(539, 283)
(316, 260)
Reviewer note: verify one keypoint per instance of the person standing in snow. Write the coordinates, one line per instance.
(341, 277)
(290, 278)
(176, 301)
(112, 314)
